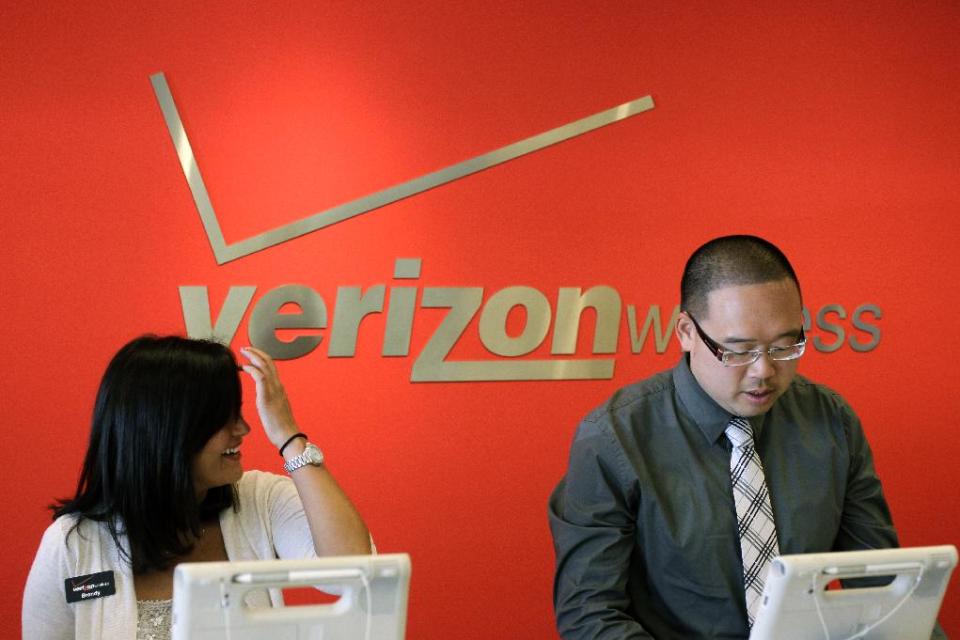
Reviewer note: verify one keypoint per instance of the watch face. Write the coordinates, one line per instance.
(313, 455)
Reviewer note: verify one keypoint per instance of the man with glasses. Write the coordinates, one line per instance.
(682, 487)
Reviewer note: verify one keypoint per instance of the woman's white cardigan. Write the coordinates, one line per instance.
(269, 523)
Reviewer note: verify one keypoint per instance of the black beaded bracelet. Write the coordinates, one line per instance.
(291, 439)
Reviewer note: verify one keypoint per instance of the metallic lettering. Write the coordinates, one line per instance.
(494, 327)
(463, 303)
(396, 336)
(225, 253)
(836, 329)
(195, 302)
(873, 330)
(493, 321)
(407, 268)
(605, 301)
(661, 335)
(266, 319)
(432, 365)
(352, 307)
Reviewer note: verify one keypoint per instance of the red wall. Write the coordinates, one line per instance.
(831, 130)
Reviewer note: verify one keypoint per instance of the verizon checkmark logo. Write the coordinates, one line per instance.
(224, 252)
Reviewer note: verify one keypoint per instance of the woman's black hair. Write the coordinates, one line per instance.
(160, 400)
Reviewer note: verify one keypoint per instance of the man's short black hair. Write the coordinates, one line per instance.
(730, 261)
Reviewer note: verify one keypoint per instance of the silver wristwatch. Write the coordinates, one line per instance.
(311, 455)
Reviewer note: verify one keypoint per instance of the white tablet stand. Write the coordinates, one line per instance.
(211, 600)
(797, 605)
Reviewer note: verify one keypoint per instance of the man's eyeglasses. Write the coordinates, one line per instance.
(731, 358)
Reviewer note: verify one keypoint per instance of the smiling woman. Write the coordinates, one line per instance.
(218, 463)
(162, 484)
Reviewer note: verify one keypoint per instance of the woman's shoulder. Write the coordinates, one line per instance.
(72, 537)
(258, 486)
(255, 479)
(66, 526)
(262, 498)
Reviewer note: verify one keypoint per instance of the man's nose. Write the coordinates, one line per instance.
(764, 366)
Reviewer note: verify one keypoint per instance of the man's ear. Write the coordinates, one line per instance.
(685, 331)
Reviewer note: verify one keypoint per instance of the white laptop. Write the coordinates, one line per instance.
(211, 600)
(797, 605)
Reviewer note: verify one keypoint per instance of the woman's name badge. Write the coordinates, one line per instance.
(88, 587)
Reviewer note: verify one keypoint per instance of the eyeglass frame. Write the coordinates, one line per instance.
(720, 351)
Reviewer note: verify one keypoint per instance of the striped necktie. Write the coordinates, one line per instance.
(758, 535)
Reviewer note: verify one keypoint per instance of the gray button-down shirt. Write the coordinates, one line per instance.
(644, 524)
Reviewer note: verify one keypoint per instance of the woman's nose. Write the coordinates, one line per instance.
(240, 427)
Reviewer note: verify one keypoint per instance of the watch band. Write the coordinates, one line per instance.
(311, 455)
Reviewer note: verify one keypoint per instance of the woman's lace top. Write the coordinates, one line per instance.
(153, 619)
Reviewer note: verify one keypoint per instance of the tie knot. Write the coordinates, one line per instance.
(739, 432)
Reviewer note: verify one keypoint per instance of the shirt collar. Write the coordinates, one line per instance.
(709, 416)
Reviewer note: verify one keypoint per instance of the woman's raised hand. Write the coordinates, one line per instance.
(272, 404)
